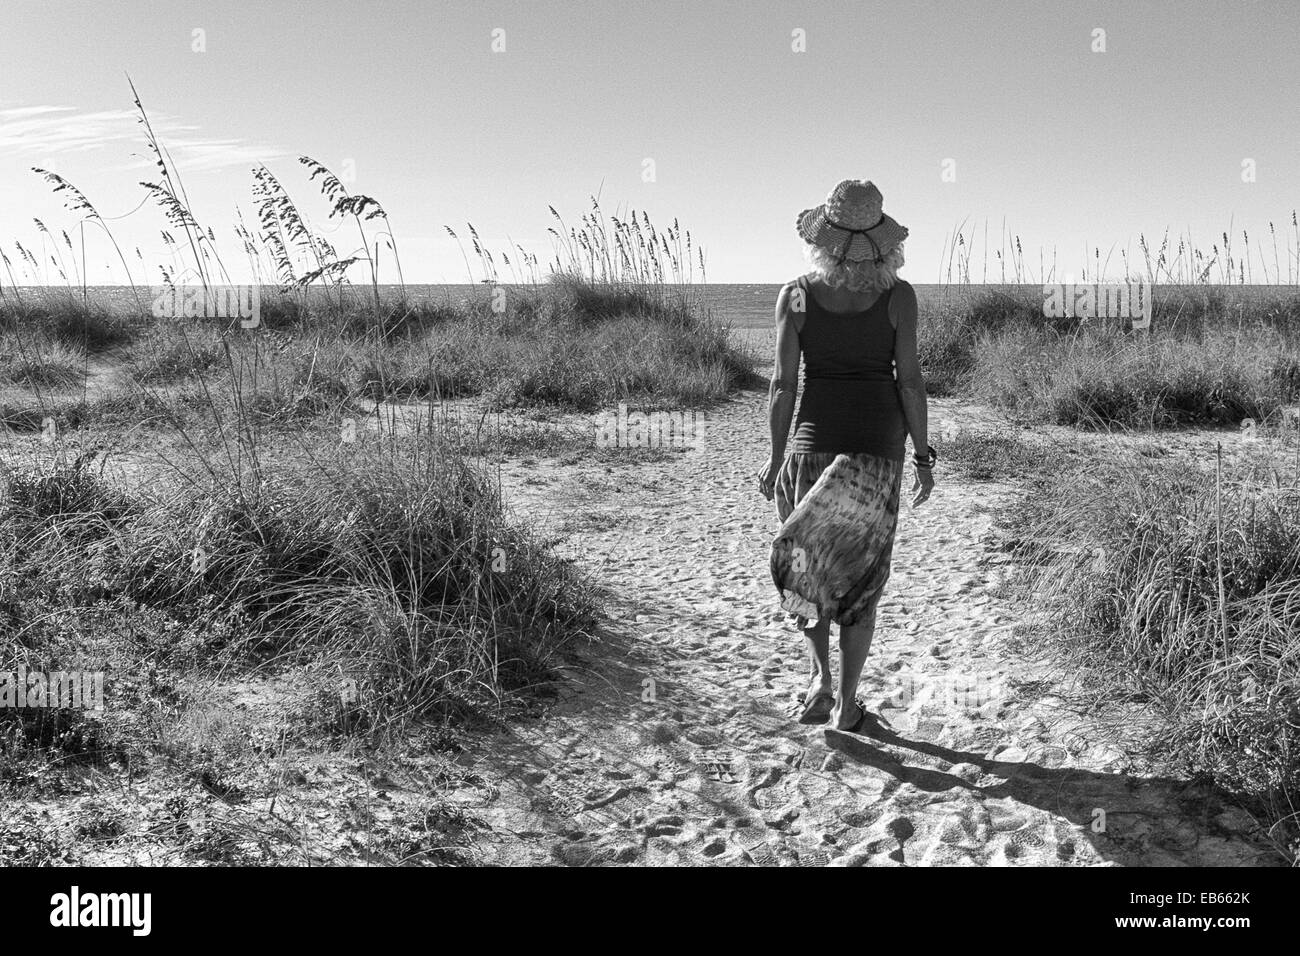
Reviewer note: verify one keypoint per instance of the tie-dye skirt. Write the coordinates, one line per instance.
(832, 556)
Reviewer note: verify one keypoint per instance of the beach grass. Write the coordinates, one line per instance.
(1208, 359)
(1177, 585)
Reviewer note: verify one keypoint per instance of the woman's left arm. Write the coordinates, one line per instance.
(911, 383)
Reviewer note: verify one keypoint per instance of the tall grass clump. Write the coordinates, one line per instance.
(1103, 376)
(1209, 358)
(171, 353)
(947, 335)
(38, 363)
(391, 565)
(93, 327)
(1182, 585)
(567, 344)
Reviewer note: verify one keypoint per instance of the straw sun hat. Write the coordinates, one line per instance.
(851, 225)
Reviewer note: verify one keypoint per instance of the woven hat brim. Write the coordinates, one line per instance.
(814, 227)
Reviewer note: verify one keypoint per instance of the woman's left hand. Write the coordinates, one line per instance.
(923, 485)
(767, 478)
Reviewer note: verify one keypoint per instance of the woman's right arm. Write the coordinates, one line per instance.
(785, 372)
(785, 382)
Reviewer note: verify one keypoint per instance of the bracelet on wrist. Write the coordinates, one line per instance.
(927, 460)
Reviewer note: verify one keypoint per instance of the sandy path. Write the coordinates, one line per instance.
(673, 744)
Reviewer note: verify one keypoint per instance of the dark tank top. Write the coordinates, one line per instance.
(850, 401)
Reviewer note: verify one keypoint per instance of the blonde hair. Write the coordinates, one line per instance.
(866, 276)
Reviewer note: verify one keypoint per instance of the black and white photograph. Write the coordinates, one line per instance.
(572, 434)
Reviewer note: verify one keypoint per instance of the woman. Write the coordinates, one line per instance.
(854, 323)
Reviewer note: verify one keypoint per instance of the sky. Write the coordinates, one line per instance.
(728, 116)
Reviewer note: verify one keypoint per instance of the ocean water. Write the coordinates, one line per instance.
(742, 305)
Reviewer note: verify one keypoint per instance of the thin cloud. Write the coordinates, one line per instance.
(38, 133)
(22, 112)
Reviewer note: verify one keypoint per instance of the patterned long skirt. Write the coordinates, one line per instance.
(832, 556)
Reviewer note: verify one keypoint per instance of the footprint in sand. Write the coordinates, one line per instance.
(762, 854)
(666, 825)
(764, 778)
(813, 858)
(715, 767)
(596, 799)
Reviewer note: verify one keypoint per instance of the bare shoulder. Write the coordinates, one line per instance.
(796, 285)
(790, 303)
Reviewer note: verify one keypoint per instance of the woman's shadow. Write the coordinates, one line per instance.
(1131, 820)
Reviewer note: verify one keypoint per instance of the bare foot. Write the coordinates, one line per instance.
(814, 706)
(818, 685)
(851, 718)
